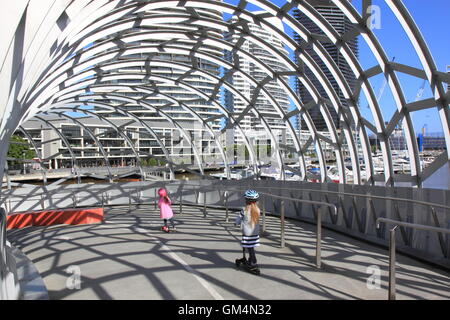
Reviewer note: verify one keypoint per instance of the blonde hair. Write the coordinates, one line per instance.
(254, 211)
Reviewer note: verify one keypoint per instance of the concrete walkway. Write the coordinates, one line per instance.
(128, 257)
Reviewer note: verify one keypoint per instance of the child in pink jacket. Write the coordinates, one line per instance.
(165, 209)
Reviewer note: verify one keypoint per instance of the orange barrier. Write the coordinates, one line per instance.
(53, 217)
(130, 180)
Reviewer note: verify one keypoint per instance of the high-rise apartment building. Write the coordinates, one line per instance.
(205, 109)
(342, 25)
(88, 150)
(119, 152)
(251, 124)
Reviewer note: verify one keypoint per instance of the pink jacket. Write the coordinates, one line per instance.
(165, 211)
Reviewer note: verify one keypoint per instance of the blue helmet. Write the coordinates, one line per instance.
(251, 195)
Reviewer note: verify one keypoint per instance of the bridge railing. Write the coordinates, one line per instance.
(267, 196)
(392, 247)
(429, 210)
(358, 207)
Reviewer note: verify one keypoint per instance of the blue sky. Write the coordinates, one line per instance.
(432, 17)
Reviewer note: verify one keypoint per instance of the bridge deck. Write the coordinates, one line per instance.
(128, 257)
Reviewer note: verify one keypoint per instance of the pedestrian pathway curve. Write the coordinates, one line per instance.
(128, 257)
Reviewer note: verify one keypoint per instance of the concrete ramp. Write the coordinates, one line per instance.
(128, 257)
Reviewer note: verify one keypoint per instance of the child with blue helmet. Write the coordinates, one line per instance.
(248, 219)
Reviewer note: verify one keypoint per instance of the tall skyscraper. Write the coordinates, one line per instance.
(251, 125)
(341, 24)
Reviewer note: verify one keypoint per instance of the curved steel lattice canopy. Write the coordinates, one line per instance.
(99, 57)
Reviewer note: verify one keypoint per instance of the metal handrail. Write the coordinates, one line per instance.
(431, 205)
(437, 205)
(364, 196)
(75, 199)
(412, 225)
(282, 217)
(392, 246)
(51, 195)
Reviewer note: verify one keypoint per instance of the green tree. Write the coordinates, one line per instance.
(19, 148)
(152, 162)
(148, 162)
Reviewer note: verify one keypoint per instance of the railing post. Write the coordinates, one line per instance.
(392, 262)
(264, 214)
(155, 202)
(8, 181)
(319, 238)
(42, 202)
(226, 206)
(204, 204)
(74, 202)
(282, 224)
(103, 200)
(181, 201)
(129, 201)
(2, 239)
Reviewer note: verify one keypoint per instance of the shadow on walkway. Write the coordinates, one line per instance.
(128, 257)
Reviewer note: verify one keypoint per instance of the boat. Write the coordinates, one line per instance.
(235, 174)
(334, 176)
